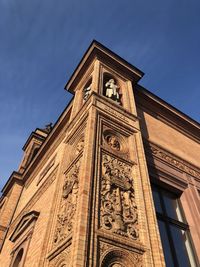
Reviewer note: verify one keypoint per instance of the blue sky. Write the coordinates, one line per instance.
(42, 41)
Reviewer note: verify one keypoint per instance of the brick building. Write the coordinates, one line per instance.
(115, 182)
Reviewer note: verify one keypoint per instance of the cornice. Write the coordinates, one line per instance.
(33, 135)
(166, 113)
(98, 51)
(171, 159)
(28, 206)
(58, 129)
(15, 177)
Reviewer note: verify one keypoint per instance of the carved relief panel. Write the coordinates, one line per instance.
(115, 142)
(68, 204)
(118, 210)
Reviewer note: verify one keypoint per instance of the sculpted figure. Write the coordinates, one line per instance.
(86, 92)
(113, 142)
(112, 90)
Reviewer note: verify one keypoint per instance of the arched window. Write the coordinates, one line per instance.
(18, 258)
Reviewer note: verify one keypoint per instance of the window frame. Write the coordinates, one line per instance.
(169, 221)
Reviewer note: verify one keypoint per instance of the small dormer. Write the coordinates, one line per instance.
(33, 144)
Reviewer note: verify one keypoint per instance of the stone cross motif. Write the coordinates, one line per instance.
(112, 90)
(118, 208)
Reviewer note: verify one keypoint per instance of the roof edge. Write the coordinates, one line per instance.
(96, 49)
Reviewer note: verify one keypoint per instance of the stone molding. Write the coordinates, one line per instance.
(23, 224)
(59, 249)
(35, 197)
(111, 254)
(171, 159)
(46, 169)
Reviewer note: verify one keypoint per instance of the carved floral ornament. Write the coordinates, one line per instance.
(67, 210)
(118, 208)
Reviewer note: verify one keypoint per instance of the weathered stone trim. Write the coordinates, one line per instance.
(46, 169)
(171, 159)
(35, 197)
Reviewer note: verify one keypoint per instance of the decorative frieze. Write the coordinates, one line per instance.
(118, 208)
(65, 218)
(173, 160)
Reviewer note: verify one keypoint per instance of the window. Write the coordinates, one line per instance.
(18, 258)
(21, 237)
(174, 230)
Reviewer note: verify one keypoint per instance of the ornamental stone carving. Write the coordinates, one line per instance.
(173, 160)
(121, 258)
(65, 218)
(113, 142)
(79, 146)
(118, 208)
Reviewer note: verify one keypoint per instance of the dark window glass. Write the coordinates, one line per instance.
(171, 206)
(166, 245)
(18, 258)
(173, 229)
(179, 239)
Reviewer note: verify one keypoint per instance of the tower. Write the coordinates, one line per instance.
(104, 214)
(81, 196)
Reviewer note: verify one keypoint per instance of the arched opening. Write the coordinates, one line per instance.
(121, 258)
(18, 258)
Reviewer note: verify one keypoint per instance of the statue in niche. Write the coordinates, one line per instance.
(86, 92)
(112, 90)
